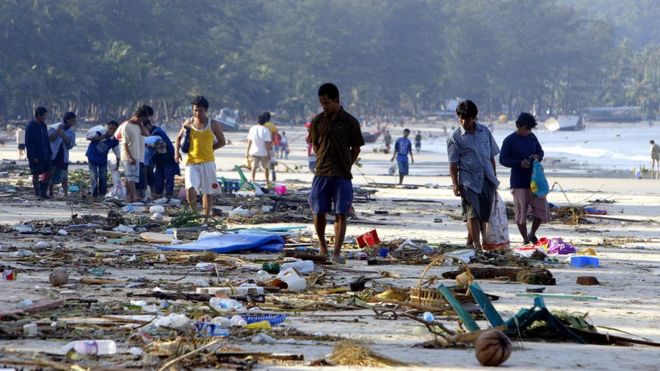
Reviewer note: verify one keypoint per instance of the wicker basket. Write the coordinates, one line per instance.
(428, 297)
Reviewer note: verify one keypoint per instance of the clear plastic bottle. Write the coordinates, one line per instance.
(226, 305)
(94, 347)
(303, 266)
(428, 317)
(238, 321)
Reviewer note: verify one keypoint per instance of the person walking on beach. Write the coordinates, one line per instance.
(259, 148)
(471, 149)
(61, 140)
(655, 157)
(273, 134)
(97, 158)
(388, 141)
(132, 134)
(38, 150)
(284, 146)
(336, 138)
(519, 151)
(418, 141)
(205, 136)
(403, 148)
(20, 142)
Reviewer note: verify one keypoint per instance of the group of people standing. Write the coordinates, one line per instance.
(48, 151)
(146, 154)
(145, 151)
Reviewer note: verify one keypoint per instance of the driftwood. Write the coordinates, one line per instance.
(175, 295)
(98, 281)
(38, 306)
(532, 276)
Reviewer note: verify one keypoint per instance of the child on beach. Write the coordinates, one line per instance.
(403, 148)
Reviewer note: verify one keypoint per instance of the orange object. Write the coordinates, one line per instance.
(368, 239)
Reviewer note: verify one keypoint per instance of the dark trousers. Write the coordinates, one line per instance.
(164, 179)
(98, 177)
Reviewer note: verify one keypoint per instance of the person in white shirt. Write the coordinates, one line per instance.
(259, 147)
(20, 141)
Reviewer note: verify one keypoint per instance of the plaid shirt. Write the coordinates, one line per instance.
(472, 152)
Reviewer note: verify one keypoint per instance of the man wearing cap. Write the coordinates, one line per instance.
(38, 151)
(62, 138)
(519, 151)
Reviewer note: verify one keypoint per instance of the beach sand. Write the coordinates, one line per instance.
(629, 253)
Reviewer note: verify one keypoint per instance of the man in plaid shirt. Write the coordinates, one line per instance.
(472, 149)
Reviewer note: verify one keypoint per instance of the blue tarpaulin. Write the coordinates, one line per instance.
(229, 243)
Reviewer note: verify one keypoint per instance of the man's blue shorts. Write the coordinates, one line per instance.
(403, 167)
(328, 191)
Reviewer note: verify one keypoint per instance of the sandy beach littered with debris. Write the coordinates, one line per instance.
(626, 242)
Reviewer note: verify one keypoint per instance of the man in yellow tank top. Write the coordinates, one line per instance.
(205, 137)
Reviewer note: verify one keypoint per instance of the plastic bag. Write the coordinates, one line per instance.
(96, 131)
(118, 190)
(539, 184)
(496, 231)
(393, 168)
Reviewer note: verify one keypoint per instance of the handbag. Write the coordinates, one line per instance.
(185, 145)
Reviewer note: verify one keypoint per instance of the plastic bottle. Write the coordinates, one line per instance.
(225, 305)
(428, 317)
(223, 322)
(238, 321)
(263, 276)
(303, 266)
(93, 347)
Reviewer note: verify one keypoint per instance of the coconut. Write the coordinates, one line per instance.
(59, 277)
(492, 348)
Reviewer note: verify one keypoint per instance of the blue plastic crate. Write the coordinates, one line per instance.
(585, 261)
(274, 319)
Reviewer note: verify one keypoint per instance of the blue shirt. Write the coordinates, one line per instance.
(472, 152)
(97, 151)
(36, 142)
(515, 149)
(402, 147)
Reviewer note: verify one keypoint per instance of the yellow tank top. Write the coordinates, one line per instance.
(201, 145)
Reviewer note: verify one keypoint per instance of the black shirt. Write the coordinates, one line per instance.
(333, 140)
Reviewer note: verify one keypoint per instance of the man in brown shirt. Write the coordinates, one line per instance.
(336, 138)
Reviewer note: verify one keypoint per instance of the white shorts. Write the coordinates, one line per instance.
(131, 172)
(202, 177)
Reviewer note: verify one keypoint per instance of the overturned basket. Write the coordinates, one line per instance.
(430, 297)
(424, 296)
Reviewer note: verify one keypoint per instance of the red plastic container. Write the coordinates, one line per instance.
(368, 239)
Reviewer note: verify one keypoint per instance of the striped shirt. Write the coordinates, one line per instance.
(472, 152)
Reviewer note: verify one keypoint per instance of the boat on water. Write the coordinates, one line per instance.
(564, 123)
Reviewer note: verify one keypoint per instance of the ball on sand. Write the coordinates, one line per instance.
(492, 348)
(59, 277)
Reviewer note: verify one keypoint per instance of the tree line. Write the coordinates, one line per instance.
(103, 57)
